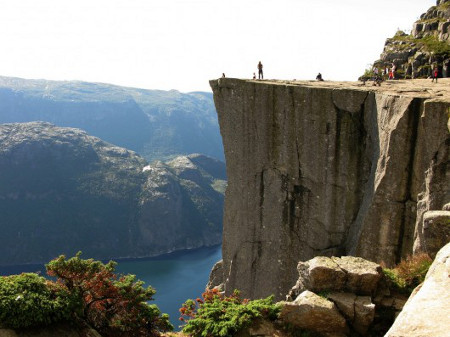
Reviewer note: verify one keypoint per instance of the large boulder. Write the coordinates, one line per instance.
(347, 273)
(427, 311)
(348, 282)
(313, 312)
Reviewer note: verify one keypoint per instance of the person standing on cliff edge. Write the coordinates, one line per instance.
(260, 71)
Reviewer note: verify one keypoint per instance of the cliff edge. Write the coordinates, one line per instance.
(326, 168)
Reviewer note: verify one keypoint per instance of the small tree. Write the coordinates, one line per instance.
(115, 305)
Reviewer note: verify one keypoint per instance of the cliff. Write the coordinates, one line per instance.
(62, 190)
(326, 168)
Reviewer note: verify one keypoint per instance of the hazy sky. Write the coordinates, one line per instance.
(181, 44)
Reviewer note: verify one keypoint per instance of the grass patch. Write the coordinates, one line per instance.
(409, 273)
(432, 44)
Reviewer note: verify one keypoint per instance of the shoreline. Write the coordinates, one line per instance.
(39, 268)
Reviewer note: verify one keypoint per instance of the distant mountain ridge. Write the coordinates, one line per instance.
(157, 124)
(62, 190)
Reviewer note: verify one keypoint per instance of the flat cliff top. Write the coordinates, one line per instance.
(416, 88)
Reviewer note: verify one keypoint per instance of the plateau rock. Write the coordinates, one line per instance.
(327, 169)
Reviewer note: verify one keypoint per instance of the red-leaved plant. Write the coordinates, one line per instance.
(115, 305)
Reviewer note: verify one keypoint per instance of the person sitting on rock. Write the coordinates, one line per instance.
(319, 77)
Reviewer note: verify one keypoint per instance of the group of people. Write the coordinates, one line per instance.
(388, 73)
(261, 76)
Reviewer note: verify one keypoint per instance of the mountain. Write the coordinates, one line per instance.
(428, 46)
(62, 190)
(154, 123)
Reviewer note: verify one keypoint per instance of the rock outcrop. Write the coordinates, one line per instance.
(427, 311)
(326, 169)
(348, 286)
(62, 190)
(428, 46)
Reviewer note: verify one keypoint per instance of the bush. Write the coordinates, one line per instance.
(114, 305)
(409, 273)
(28, 300)
(220, 315)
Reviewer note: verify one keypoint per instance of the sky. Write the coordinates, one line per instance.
(182, 44)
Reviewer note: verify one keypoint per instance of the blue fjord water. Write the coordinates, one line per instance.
(176, 276)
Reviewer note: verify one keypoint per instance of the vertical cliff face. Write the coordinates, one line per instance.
(325, 169)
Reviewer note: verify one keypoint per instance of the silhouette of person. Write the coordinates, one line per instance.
(260, 71)
(319, 77)
(254, 76)
(223, 74)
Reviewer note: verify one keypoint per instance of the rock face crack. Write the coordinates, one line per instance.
(406, 230)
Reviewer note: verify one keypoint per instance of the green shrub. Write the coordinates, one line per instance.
(220, 315)
(28, 300)
(115, 305)
(409, 273)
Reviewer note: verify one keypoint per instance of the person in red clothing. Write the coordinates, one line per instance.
(435, 74)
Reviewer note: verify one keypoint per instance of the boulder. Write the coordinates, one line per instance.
(216, 276)
(345, 302)
(436, 231)
(312, 312)
(364, 314)
(427, 311)
(359, 311)
(318, 274)
(347, 273)
(261, 328)
(362, 275)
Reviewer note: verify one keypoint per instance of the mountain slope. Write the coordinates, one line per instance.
(62, 190)
(156, 124)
